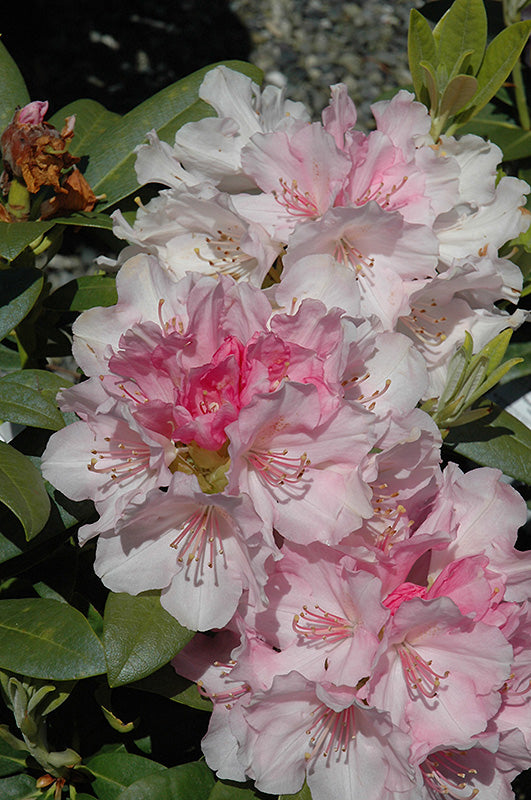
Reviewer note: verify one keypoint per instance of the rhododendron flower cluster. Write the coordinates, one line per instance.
(250, 434)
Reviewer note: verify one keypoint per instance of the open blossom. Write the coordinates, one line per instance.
(250, 434)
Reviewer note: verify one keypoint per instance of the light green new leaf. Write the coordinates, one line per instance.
(22, 490)
(15, 236)
(85, 292)
(462, 30)
(47, 639)
(457, 94)
(29, 399)
(501, 56)
(19, 290)
(498, 440)
(17, 787)
(193, 781)
(11, 760)
(114, 772)
(420, 47)
(139, 636)
(13, 91)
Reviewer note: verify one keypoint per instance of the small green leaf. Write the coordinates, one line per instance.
(22, 490)
(9, 359)
(11, 760)
(115, 771)
(304, 794)
(15, 236)
(83, 293)
(139, 636)
(17, 787)
(498, 440)
(462, 30)
(13, 91)
(47, 639)
(193, 781)
(430, 82)
(86, 219)
(421, 47)
(458, 92)
(501, 56)
(19, 290)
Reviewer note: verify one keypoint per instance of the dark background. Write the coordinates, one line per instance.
(117, 53)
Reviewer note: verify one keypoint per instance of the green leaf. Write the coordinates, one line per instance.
(304, 794)
(42, 381)
(114, 772)
(462, 30)
(11, 760)
(501, 56)
(110, 169)
(139, 636)
(192, 781)
(19, 290)
(13, 91)
(86, 219)
(228, 790)
(47, 639)
(420, 47)
(518, 350)
(22, 490)
(498, 440)
(15, 236)
(458, 92)
(83, 293)
(92, 121)
(167, 683)
(493, 124)
(17, 787)
(9, 359)
(22, 403)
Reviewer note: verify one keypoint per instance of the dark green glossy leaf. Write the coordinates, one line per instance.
(83, 293)
(19, 290)
(17, 787)
(421, 47)
(22, 490)
(228, 790)
(13, 91)
(501, 56)
(11, 760)
(23, 401)
(167, 683)
(498, 440)
(493, 124)
(192, 781)
(15, 236)
(9, 359)
(92, 121)
(115, 771)
(139, 636)
(462, 30)
(518, 350)
(111, 157)
(47, 639)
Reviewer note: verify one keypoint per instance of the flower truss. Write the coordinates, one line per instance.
(255, 448)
